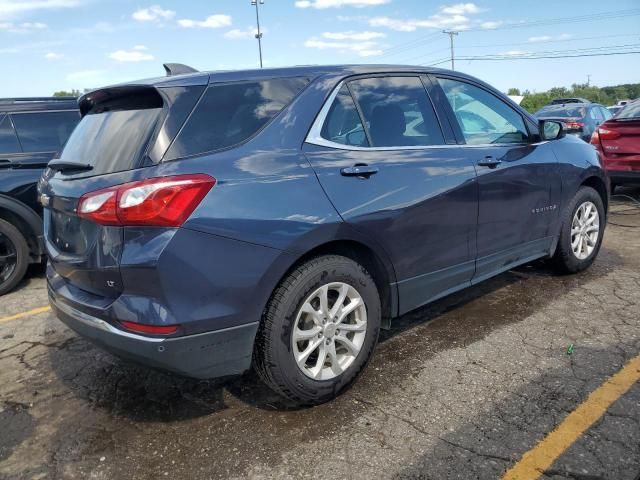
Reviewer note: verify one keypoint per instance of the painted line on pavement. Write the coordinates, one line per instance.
(30, 313)
(537, 460)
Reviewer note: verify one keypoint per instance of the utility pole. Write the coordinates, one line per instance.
(588, 79)
(258, 35)
(451, 33)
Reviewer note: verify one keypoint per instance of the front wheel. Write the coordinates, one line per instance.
(319, 330)
(581, 233)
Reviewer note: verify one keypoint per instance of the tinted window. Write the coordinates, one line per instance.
(397, 112)
(44, 131)
(605, 113)
(483, 117)
(343, 124)
(8, 140)
(230, 114)
(561, 111)
(111, 141)
(596, 114)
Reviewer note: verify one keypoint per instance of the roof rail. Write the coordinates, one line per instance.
(6, 101)
(177, 69)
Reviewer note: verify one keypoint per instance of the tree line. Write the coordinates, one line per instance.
(606, 96)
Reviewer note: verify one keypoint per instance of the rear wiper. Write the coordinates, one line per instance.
(64, 166)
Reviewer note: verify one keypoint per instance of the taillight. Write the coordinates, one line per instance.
(606, 134)
(595, 138)
(150, 329)
(574, 125)
(159, 202)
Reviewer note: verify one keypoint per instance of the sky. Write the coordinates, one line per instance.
(50, 45)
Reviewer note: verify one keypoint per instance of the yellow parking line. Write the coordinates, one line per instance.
(18, 316)
(541, 457)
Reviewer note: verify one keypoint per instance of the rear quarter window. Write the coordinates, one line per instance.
(229, 114)
(44, 131)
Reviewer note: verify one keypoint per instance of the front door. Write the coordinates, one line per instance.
(384, 162)
(518, 180)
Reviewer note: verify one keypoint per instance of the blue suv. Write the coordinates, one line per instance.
(206, 222)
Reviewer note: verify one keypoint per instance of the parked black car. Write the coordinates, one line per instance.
(580, 119)
(32, 131)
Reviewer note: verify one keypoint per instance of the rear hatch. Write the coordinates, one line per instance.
(122, 135)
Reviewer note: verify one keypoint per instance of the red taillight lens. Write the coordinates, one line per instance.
(150, 329)
(595, 138)
(160, 202)
(574, 125)
(606, 134)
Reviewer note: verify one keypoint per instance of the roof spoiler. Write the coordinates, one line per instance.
(177, 69)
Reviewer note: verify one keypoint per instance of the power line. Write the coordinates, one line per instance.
(572, 39)
(513, 57)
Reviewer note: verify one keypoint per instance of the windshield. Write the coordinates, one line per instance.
(111, 141)
(561, 111)
(631, 110)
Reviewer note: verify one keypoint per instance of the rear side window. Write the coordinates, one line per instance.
(44, 131)
(397, 112)
(8, 139)
(343, 124)
(483, 117)
(231, 113)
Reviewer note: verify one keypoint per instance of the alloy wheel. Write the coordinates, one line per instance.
(585, 230)
(329, 331)
(8, 258)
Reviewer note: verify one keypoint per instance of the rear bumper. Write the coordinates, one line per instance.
(204, 355)
(620, 176)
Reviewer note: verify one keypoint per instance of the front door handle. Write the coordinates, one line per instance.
(489, 161)
(364, 171)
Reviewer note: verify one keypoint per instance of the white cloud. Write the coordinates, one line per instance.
(212, 21)
(549, 38)
(363, 49)
(448, 16)
(515, 53)
(137, 54)
(351, 35)
(54, 56)
(460, 9)
(11, 8)
(26, 27)
(321, 4)
(490, 25)
(238, 34)
(154, 13)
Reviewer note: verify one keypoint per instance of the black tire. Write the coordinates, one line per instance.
(273, 355)
(613, 187)
(565, 260)
(12, 239)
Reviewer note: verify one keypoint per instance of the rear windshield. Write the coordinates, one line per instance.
(229, 114)
(562, 111)
(111, 141)
(631, 110)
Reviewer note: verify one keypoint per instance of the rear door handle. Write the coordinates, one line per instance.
(490, 162)
(364, 171)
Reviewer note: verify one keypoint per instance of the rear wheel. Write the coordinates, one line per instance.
(319, 330)
(582, 230)
(14, 256)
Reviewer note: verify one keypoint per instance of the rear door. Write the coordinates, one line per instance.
(381, 154)
(518, 181)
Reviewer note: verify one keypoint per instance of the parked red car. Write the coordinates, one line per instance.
(618, 141)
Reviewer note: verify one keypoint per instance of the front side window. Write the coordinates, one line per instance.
(343, 124)
(483, 117)
(231, 113)
(44, 131)
(8, 139)
(397, 112)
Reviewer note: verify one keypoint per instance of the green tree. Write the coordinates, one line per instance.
(64, 93)
(513, 91)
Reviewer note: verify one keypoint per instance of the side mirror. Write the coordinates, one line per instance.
(551, 130)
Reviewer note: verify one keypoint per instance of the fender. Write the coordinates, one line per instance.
(29, 216)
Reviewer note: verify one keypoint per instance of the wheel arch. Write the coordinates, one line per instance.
(25, 219)
(599, 185)
(364, 254)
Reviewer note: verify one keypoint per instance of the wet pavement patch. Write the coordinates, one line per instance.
(16, 425)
